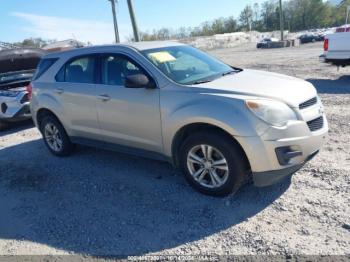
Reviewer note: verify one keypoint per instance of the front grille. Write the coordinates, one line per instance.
(308, 103)
(316, 124)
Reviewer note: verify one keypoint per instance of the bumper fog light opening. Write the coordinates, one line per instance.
(286, 153)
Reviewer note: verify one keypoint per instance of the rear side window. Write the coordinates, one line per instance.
(79, 70)
(43, 66)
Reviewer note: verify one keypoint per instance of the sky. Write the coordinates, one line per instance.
(91, 20)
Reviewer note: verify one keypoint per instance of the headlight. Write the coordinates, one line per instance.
(273, 112)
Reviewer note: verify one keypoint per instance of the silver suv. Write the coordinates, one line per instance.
(170, 101)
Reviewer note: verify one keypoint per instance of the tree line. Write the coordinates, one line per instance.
(33, 42)
(298, 15)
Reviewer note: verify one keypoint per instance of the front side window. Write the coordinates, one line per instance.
(80, 70)
(186, 65)
(116, 68)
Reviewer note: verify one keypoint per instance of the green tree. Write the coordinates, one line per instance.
(246, 18)
(298, 14)
(231, 25)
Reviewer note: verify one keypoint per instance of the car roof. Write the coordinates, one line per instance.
(140, 46)
(146, 45)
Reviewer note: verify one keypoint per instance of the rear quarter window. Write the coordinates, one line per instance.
(43, 66)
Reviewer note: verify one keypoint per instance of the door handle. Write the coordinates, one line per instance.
(104, 97)
(59, 90)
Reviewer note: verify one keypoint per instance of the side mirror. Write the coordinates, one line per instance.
(139, 81)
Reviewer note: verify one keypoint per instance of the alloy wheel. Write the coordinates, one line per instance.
(208, 166)
(53, 137)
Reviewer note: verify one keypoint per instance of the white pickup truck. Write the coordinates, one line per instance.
(337, 47)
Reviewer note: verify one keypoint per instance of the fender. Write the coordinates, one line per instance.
(48, 102)
(223, 112)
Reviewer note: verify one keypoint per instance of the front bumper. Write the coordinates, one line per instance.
(21, 115)
(267, 178)
(267, 165)
(15, 108)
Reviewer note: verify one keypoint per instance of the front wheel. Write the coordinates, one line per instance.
(212, 163)
(55, 137)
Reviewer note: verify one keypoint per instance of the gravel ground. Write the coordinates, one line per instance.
(102, 203)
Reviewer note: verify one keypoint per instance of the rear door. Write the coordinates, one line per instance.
(127, 116)
(75, 90)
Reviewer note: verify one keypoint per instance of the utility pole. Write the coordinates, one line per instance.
(133, 21)
(281, 20)
(116, 32)
(347, 15)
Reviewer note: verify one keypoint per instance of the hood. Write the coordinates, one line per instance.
(291, 90)
(13, 80)
(20, 59)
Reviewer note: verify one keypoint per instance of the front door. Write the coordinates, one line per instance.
(127, 116)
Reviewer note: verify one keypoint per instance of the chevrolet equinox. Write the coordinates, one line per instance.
(219, 124)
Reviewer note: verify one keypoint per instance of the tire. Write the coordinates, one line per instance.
(231, 175)
(55, 137)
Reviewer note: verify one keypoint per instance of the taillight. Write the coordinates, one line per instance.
(326, 45)
(29, 90)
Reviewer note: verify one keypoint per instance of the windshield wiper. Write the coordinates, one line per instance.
(229, 73)
(201, 82)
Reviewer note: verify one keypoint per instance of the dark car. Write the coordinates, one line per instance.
(265, 42)
(311, 38)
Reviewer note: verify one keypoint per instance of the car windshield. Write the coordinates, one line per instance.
(187, 65)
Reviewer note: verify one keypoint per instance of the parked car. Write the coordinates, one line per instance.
(265, 42)
(311, 38)
(170, 101)
(337, 48)
(17, 67)
(14, 98)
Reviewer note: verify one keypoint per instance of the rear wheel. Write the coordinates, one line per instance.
(55, 137)
(212, 163)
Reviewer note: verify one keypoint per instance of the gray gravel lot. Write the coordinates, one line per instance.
(104, 203)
